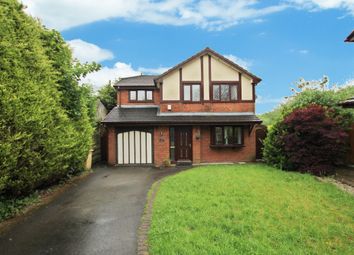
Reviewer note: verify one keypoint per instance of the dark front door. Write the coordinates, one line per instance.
(183, 138)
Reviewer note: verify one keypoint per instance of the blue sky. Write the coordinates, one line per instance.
(279, 41)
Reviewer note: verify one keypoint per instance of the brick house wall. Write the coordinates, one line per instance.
(245, 153)
(123, 98)
(112, 146)
(209, 107)
(161, 145)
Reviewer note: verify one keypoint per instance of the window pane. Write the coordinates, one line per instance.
(133, 95)
(141, 95)
(233, 92)
(238, 135)
(216, 94)
(228, 135)
(218, 135)
(187, 92)
(224, 92)
(195, 92)
(148, 95)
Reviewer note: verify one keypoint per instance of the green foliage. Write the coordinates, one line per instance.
(45, 131)
(313, 92)
(272, 150)
(107, 94)
(12, 206)
(308, 93)
(250, 209)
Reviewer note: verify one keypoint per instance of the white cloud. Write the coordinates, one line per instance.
(106, 74)
(269, 100)
(207, 14)
(241, 62)
(301, 51)
(88, 52)
(315, 5)
(119, 70)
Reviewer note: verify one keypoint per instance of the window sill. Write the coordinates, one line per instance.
(227, 146)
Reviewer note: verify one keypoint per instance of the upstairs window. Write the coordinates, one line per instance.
(140, 95)
(191, 92)
(227, 136)
(225, 92)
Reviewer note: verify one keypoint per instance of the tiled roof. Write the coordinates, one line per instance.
(140, 80)
(150, 116)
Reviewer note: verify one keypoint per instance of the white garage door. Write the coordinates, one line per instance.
(134, 147)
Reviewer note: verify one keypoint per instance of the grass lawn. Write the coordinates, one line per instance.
(250, 209)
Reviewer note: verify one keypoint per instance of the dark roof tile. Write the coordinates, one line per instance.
(136, 81)
(150, 116)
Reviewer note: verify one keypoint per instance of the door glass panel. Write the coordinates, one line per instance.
(233, 92)
(224, 92)
(196, 92)
(187, 92)
(216, 92)
(228, 135)
(218, 135)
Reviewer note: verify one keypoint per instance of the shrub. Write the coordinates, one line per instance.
(310, 140)
(43, 136)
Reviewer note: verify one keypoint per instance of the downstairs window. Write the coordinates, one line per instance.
(227, 136)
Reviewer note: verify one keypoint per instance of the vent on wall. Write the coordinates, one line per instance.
(169, 107)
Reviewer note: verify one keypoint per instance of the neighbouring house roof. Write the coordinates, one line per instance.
(151, 116)
(136, 81)
(349, 103)
(211, 52)
(350, 37)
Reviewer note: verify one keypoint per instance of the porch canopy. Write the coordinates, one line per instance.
(151, 116)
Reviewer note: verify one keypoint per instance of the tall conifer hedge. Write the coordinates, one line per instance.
(40, 140)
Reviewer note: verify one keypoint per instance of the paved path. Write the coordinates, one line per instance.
(100, 215)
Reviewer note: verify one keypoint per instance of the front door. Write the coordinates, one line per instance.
(183, 138)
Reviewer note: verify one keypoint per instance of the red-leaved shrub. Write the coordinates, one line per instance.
(313, 141)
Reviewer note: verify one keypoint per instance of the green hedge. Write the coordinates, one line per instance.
(39, 142)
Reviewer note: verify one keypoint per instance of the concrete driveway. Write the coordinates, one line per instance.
(100, 215)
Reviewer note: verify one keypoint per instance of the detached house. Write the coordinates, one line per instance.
(202, 110)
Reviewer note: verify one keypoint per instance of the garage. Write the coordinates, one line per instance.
(134, 147)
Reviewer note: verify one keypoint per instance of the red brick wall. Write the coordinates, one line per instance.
(112, 146)
(209, 107)
(161, 145)
(246, 153)
(124, 97)
(202, 153)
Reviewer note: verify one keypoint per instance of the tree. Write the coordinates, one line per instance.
(44, 136)
(308, 93)
(108, 96)
(312, 141)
